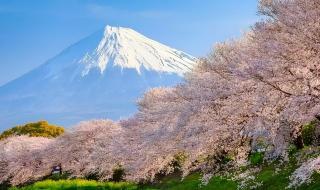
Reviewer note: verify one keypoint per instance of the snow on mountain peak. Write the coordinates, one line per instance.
(84, 82)
(126, 48)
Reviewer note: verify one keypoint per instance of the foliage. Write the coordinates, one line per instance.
(118, 174)
(308, 133)
(305, 172)
(173, 181)
(220, 183)
(256, 158)
(38, 129)
(275, 176)
(4, 186)
(292, 149)
(314, 184)
(58, 176)
(192, 182)
(179, 160)
(92, 176)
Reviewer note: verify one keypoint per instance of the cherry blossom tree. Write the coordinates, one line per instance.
(260, 88)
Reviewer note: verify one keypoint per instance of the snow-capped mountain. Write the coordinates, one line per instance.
(101, 76)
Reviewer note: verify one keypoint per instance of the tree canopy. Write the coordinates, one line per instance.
(36, 129)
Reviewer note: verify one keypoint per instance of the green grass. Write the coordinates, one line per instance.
(192, 182)
(272, 180)
(256, 158)
(314, 185)
(174, 182)
(308, 133)
(77, 184)
(219, 183)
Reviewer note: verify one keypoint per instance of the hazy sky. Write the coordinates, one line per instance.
(33, 31)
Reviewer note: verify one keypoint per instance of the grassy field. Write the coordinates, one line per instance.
(190, 183)
(77, 184)
(269, 180)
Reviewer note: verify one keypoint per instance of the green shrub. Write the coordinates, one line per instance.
(308, 133)
(179, 160)
(220, 183)
(292, 149)
(118, 174)
(58, 176)
(92, 176)
(220, 158)
(298, 142)
(256, 158)
(5, 185)
(38, 129)
(226, 159)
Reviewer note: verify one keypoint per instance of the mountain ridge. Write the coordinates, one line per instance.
(69, 88)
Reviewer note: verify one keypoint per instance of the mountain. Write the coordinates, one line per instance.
(101, 76)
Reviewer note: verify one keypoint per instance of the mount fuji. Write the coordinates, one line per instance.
(101, 76)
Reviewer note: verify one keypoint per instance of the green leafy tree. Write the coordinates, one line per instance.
(309, 133)
(37, 129)
(118, 174)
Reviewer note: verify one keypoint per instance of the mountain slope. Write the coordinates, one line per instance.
(99, 77)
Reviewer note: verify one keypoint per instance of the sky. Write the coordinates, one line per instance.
(33, 31)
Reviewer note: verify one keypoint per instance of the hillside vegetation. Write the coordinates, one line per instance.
(37, 129)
